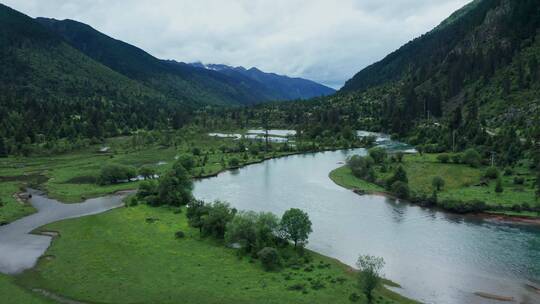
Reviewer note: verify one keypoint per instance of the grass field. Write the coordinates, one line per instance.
(462, 182)
(117, 257)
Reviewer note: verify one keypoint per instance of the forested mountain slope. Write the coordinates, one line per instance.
(176, 80)
(280, 86)
(51, 90)
(484, 57)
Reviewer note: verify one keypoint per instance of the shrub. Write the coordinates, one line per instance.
(463, 207)
(491, 173)
(443, 158)
(401, 189)
(456, 158)
(498, 186)
(179, 234)
(147, 172)
(270, 259)
(472, 158)
(438, 183)
(196, 151)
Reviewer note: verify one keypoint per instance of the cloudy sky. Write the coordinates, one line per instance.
(324, 40)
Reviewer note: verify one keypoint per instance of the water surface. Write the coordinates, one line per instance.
(19, 250)
(437, 257)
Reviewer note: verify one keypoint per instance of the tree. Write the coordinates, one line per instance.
(370, 274)
(186, 161)
(400, 175)
(175, 187)
(295, 226)
(113, 173)
(3, 148)
(266, 229)
(471, 157)
(196, 211)
(378, 154)
(215, 221)
(242, 230)
(438, 183)
(147, 172)
(147, 188)
(400, 189)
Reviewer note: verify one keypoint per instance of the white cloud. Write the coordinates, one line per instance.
(327, 41)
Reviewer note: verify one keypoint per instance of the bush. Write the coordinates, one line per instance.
(113, 173)
(499, 186)
(438, 183)
(354, 297)
(270, 259)
(463, 207)
(472, 158)
(234, 162)
(401, 189)
(443, 158)
(519, 180)
(491, 173)
(179, 234)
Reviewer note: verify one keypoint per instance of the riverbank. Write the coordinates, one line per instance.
(461, 184)
(130, 260)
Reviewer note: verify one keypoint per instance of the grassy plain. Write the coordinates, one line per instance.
(462, 182)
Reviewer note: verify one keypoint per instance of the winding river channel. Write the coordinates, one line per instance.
(435, 256)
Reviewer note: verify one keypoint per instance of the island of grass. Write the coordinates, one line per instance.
(120, 257)
(462, 184)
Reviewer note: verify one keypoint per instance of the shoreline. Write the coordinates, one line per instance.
(486, 215)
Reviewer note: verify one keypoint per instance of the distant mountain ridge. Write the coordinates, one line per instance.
(286, 88)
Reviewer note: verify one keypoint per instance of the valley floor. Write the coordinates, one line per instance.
(118, 257)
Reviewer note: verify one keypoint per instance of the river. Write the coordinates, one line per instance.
(20, 250)
(435, 256)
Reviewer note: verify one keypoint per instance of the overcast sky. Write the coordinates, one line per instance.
(324, 40)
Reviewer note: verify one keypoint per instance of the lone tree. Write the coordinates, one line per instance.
(370, 274)
(295, 226)
(438, 183)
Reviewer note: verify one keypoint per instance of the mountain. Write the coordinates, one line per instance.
(481, 61)
(281, 87)
(51, 90)
(179, 81)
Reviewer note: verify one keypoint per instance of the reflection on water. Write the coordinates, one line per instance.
(437, 257)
